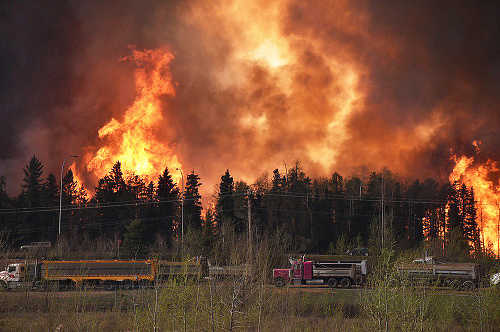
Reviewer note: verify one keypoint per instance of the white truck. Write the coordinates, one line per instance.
(495, 279)
(19, 275)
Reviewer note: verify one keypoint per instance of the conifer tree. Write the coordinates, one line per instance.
(50, 199)
(51, 191)
(5, 221)
(209, 232)
(471, 229)
(273, 202)
(112, 189)
(462, 218)
(225, 202)
(192, 202)
(32, 183)
(167, 195)
(322, 225)
(31, 197)
(70, 189)
(296, 205)
(134, 243)
(4, 197)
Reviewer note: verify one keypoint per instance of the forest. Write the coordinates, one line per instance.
(129, 216)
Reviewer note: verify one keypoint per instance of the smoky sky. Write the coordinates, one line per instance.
(428, 81)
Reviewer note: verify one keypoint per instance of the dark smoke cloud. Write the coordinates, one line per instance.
(420, 64)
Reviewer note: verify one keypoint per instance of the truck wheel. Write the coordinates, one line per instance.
(126, 284)
(279, 282)
(456, 284)
(468, 285)
(3, 286)
(332, 282)
(109, 285)
(346, 283)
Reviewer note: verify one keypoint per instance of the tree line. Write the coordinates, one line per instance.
(133, 217)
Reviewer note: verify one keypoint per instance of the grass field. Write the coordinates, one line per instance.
(231, 305)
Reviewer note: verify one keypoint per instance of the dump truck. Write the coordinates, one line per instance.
(63, 275)
(495, 279)
(427, 270)
(331, 273)
(17, 275)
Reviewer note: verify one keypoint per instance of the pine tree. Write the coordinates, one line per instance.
(112, 189)
(462, 218)
(296, 205)
(31, 197)
(242, 193)
(167, 195)
(322, 225)
(471, 229)
(50, 199)
(5, 221)
(273, 202)
(135, 243)
(414, 215)
(51, 191)
(337, 205)
(70, 189)
(359, 209)
(192, 202)
(32, 186)
(4, 197)
(225, 212)
(209, 232)
(69, 193)
(430, 190)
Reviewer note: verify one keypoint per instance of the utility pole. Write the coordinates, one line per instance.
(182, 212)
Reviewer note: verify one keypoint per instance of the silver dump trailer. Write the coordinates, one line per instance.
(455, 275)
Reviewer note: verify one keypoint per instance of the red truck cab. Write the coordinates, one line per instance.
(331, 273)
(283, 276)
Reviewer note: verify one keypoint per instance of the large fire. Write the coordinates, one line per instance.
(312, 92)
(487, 194)
(132, 141)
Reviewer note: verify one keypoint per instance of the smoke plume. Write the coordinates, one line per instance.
(332, 84)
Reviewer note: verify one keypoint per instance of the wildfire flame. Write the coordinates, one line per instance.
(258, 38)
(487, 194)
(133, 141)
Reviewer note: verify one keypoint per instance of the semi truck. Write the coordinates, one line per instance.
(66, 274)
(110, 274)
(430, 271)
(331, 273)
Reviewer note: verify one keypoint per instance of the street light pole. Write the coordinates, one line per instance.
(182, 211)
(60, 194)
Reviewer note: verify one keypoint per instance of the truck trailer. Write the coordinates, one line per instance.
(110, 274)
(62, 275)
(331, 273)
(429, 271)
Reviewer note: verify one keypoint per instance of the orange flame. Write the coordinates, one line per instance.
(487, 194)
(133, 141)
